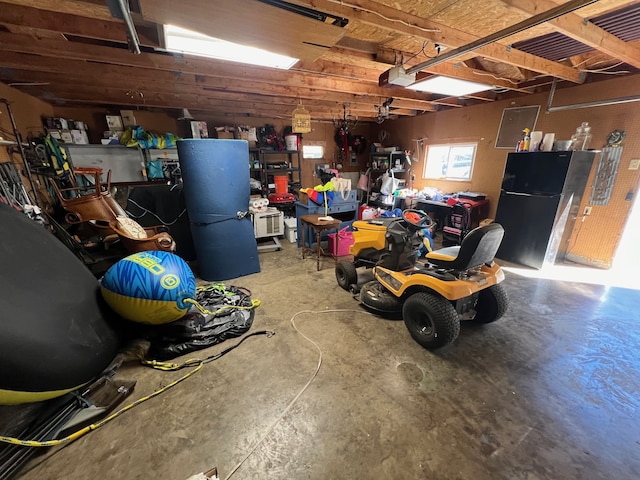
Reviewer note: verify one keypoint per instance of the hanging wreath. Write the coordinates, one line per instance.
(341, 134)
(358, 144)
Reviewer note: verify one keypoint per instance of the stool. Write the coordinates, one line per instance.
(319, 225)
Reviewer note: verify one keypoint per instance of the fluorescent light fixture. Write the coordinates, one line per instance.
(187, 41)
(453, 87)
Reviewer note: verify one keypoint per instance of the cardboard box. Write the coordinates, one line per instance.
(79, 137)
(111, 134)
(128, 118)
(65, 136)
(225, 135)
(61, 123)
(199, 129)
(114, 122)
(55, 134)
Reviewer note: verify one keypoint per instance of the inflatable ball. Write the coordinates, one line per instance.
(149, 287)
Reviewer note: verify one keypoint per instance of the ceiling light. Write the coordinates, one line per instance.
(453, 87)
(187, 41)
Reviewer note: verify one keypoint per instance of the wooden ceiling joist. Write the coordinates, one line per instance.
(81, 52)
(71, 24)
(580, 29)
(396, 20)
(263, 26)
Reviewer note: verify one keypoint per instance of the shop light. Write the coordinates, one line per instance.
(187, 41)
(453, 87)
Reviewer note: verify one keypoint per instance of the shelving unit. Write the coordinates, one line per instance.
(374, 175)
(275, 162)
(383, 161)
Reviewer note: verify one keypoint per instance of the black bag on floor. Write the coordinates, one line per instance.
(233, 316)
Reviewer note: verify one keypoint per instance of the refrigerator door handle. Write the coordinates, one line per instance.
(516, 193)
(506, 192)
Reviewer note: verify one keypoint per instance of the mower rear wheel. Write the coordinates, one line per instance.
(346, 274)
(431, 320)
(491, 305)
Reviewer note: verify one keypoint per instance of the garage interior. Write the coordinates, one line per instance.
(324, 388)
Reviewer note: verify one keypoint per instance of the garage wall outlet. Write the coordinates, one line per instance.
(587, 210)
(634, 164)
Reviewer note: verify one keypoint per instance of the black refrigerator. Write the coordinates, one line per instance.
(539, 202)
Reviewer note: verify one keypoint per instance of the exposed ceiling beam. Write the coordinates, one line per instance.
(114, 30)
(383, 59)
(538, 19)
(79, 81)
(422, 29)
(72, 7)
(122, 97)
(252, 23)
(578, 28)
(298, 86)
(181, 65)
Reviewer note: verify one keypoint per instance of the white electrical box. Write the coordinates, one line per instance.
(269, 223)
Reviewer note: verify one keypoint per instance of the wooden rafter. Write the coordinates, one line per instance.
(580, 29)
(396, 20)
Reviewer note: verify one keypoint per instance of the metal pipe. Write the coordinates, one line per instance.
(596, 103)
(512, 30)
(599, 103)
(552, 92)
(16, 134)
(133, 35)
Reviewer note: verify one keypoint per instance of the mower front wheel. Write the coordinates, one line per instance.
(491, 305)
(431, 320)
(346, 274)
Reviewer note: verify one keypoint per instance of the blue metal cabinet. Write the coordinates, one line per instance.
(345, 210)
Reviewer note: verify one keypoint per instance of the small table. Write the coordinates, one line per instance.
(319, 225)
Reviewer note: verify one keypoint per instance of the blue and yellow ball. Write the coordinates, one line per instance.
(149, 287)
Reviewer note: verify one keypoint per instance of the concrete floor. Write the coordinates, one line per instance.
(551, 391)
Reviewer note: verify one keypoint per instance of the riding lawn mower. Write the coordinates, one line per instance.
(432, 294)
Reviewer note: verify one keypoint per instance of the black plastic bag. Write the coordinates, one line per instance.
(233, 316)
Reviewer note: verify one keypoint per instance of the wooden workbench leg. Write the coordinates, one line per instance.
(318, 247)
(303, 226)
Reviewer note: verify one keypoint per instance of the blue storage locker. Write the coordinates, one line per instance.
(215, 174)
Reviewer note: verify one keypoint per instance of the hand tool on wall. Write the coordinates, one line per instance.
(23, 155)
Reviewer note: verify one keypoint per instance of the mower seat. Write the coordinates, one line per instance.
(478, 247)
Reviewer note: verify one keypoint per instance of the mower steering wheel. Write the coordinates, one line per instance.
(417, 218)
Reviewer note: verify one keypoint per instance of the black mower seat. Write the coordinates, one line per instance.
(478, 247)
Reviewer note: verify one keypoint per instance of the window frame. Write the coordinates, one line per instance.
(427, 172)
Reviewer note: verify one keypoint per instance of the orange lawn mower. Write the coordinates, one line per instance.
(432, 293)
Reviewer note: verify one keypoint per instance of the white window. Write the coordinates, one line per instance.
(312, 151)
(450, 161)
